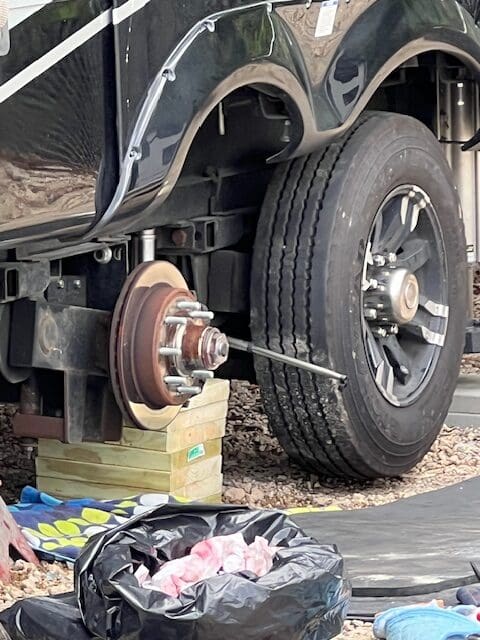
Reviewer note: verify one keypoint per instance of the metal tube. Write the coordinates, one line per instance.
(148, 239)
(248, 347)
(457, 102)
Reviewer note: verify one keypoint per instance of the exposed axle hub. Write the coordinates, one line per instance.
(393, 296)
(163, 348)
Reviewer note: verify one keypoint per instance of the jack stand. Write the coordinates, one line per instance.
(11, 536)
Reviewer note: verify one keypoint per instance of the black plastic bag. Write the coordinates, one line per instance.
(305, 596)
(55, 618)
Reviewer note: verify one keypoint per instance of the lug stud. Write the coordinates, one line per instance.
(175, 380)
(189, 305)
(189, 391)
(169, 351)
(202, 315)
(176, 320)
(202, 374)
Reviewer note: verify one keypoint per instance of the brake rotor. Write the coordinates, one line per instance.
(162, 347)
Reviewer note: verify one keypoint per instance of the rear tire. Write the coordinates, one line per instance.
(311, 262)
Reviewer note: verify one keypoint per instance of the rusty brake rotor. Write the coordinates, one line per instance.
(162, 347)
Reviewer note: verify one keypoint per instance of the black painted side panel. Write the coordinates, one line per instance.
(329, 78)
(58, 134)
(55, 132)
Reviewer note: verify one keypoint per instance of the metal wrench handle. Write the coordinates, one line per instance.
(242, 345)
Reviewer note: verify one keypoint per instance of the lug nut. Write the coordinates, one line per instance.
(202, 315)
(373, 284)
(189, 305)
(370, 314)
(77, 284)
(202, 374)
(392, 258)
(189, 391)
(169, 351)
(393, 330)
(404, 370)
(176, 320)
(380, 332)
(61, 284)
(379, 260)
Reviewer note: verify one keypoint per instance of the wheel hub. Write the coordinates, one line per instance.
(163, 347)
(396, 295)
(404, 294)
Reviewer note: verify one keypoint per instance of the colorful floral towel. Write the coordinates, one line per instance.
(59, 530)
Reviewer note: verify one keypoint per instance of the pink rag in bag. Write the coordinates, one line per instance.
(222, 554)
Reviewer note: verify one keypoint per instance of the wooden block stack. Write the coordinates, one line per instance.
(184, 459)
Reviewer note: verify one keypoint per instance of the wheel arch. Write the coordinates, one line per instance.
(268, 45)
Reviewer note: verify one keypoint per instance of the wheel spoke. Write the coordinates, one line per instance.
(416, 253)
(376, 354)
(377, 234)
(385, 377)
(384, 372)
(401, 361)
(398, 230)
(434, 308)
(420, 329)
(402, 225)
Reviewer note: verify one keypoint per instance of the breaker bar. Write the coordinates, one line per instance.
(248, 347)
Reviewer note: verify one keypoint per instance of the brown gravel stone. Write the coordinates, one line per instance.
(48, 579)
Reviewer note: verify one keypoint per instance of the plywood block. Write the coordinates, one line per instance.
(186, 419)
(126, 476)
(112, 454)
(196, 490)
(213, 391)
(209, 490)
(175, 438)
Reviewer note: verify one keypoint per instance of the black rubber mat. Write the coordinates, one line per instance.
(409, 551)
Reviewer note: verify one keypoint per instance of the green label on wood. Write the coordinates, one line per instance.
(195, 452)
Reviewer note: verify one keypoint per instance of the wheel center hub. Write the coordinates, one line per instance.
(394, 297)
(404, 295)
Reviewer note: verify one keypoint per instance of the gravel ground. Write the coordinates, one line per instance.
(257, 472)
(48, 579)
